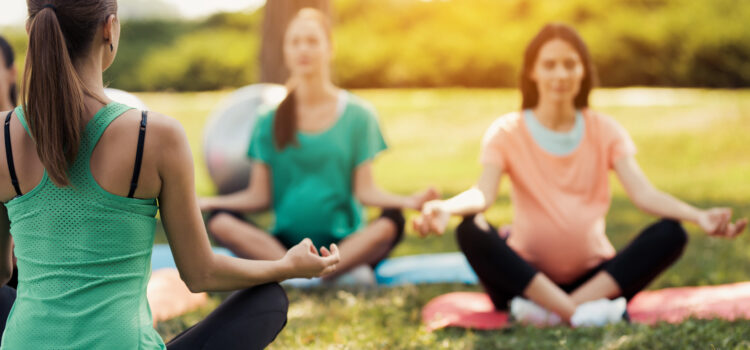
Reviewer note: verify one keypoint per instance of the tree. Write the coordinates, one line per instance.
(277, 15)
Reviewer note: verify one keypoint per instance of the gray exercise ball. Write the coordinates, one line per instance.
(227, 134)
(125, 98)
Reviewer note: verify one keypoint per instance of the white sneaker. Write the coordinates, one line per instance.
(528, 312)
(599, 312)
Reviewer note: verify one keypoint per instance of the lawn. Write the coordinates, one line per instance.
(692, 143)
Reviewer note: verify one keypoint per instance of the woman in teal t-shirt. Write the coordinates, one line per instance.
(313, 161)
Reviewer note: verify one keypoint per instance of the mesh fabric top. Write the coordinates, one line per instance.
(84, 260)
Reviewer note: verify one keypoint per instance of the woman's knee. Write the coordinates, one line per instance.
(219, 223)
(271, 296)
(670, 233)
(468, 230)
(396, 217)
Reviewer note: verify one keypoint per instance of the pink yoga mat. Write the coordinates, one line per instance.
(475, 310)
(169, 297)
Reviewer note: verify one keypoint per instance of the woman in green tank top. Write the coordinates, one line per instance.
(312, 161)
(81, 187)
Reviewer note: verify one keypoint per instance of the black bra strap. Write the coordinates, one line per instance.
(138, 155)
(9, 156)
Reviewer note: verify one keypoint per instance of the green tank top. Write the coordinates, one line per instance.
(84, 260)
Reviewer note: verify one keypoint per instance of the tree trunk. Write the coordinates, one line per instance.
(277, 15)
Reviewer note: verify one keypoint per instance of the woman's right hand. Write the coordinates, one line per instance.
(304, 261)
(434, 218)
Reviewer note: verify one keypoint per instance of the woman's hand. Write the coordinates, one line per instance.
(434, 218)
(303, 260)
(205, 204)
(717, 222)
(420, 198)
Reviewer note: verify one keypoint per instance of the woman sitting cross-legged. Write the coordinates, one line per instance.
(312, 161)
(558, 154)
(81, 176)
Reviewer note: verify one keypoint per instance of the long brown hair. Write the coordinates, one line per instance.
(60, 33)
(529, 91)
(285, 120)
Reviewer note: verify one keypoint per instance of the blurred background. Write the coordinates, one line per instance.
(198, 45)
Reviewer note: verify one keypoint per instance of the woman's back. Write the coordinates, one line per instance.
(84, 252)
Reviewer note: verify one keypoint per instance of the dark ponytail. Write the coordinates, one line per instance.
(285, 122)
(53, 93)
(9, 57)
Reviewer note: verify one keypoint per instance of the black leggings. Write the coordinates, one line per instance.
(394, 215)
(248, 319)
(504, 274)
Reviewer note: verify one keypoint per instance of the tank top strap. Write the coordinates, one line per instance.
(22, 119)
(98, 124)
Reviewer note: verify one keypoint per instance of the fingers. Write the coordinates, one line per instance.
(424, 226)
(715, 218)
(734, 230)
(331, 261)
(335, 249)
(328, 270)
(436, 226)
(334, 256)
(417, 224)
(740, 226)
(432, 193)
(721, 228)
(308, 243)
(324, 252)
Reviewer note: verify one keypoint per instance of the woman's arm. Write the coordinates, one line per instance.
(715, 221)
(435, 214)
(256, 197)
(368, 193)
(199, 267)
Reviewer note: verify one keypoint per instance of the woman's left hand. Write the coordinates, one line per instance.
(718, 222)
(420, 198)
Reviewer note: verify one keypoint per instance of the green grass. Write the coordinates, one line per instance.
(692, 143)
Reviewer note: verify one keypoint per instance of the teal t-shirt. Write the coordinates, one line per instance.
(312, 181)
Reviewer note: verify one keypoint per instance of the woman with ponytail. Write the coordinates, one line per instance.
(81, 179)
(313, 161)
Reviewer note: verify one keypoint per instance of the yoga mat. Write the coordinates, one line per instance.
(673, 305)
(161, 256)
(414, 269)
(425, 268)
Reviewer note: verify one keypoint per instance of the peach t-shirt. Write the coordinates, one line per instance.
(560, 202)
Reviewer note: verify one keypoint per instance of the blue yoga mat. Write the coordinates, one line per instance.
(162, 256)
(414, 269)
(424, 269)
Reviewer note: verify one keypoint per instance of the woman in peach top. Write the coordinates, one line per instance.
(558, 154)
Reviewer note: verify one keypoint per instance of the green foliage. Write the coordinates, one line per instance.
(438, 43)
(201, 61)
(219, 52)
